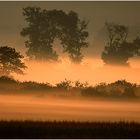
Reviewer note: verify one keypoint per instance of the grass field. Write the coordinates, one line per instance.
(65, 129)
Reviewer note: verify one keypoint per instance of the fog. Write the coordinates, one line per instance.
(19, 107)
(31, 107)
(91, 70)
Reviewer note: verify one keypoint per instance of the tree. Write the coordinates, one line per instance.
(10, 61)
(117, 33)
(122, 88)
(46, 25)
(117, 50)
(136, 44)
(66, 85)
(40, 32)
(75, 36)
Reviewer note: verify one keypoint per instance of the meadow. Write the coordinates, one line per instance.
(71, 129)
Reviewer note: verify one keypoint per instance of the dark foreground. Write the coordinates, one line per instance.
(29, 129)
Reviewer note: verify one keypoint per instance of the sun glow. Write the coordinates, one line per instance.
(91, 70)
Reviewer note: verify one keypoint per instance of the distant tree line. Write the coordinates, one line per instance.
(118, 89)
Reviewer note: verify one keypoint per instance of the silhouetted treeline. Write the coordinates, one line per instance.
(64, 129)
(120, 88)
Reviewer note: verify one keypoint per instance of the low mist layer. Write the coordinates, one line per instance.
(19, 107)
(91, 70)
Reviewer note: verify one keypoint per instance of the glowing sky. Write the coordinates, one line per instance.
(91, 70)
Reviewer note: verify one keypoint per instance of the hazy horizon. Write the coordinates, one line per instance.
(91, 70)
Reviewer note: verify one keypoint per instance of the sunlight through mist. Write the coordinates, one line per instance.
(18, 107)
(91, 70)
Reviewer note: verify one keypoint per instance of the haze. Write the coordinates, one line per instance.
(16, 107)
(91, 70)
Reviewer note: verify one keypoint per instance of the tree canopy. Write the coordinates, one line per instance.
(46, 25)
(118, 50)
(10, 61)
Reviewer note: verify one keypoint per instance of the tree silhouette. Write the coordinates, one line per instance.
(40, 32)
(46, 25)
(66, 85)
(136, 44)
(74, 37)
(117, 50)
(10, 61)
(122, 88)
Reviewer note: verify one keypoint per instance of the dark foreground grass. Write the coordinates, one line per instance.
(30, 129)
